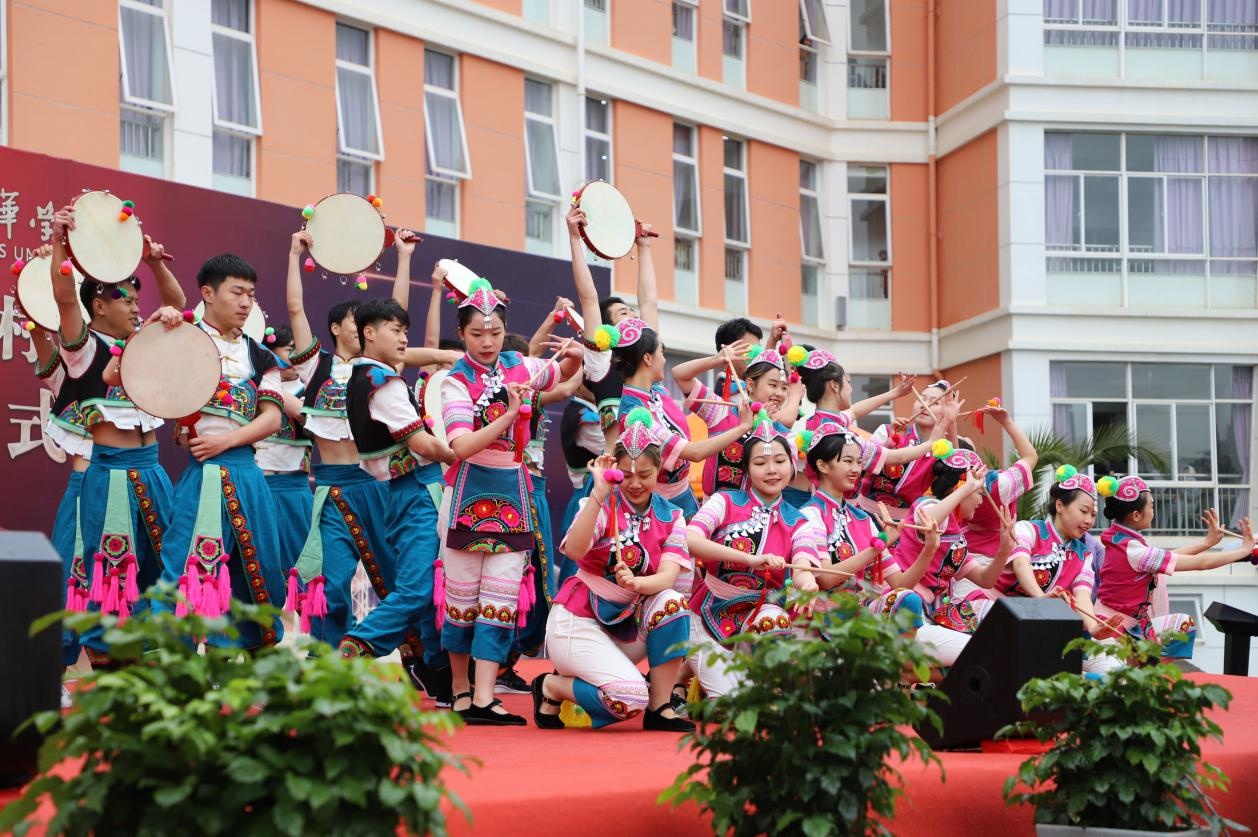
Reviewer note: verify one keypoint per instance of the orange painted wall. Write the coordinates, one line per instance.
(645, 28)
(63, 79)
(969, 271)
(400, 178)
(513, 7)
(297, 73)
(712, 212)
(910, 240)
(773, 52)
(965, 54)
(982, 381)
(709, 34)
(773, 178)
(493, 111)
(643, 158)
(908, 60)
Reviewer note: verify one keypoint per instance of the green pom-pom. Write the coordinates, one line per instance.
(639, 415)
(129, 204)
(1065, 472)
(606, 337)
(481, 284)
(754, 352)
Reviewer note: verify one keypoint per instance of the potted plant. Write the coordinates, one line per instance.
(1125, 754)
(802, 746)
(178, 741)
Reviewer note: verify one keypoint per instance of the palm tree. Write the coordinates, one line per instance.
(1109, 449)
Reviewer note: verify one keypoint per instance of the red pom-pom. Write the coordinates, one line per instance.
(17, 267)
(371, 199)
(115, 350)
(896, 439)
(558, 316)
(794, 378)
(430, 422)
(756, 406)
(309, 265)
(189, 316)
(66, 268)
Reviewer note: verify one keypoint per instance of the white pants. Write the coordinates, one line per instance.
(944, 645)
(580, 647)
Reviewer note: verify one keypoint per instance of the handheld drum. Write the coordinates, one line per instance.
(170, 373)
(459, 278)
(34, 293)
(574, 320)
(430, 404)
(255, 324)
(106, 242)
(348, 233)
(610, 228)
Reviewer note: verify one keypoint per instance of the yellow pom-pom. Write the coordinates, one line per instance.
(1065, 472)
(941, 449)
(1106, 486)
(30, 326)
(603, 340)
(796, 355)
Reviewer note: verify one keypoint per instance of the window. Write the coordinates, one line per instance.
(537, 11)
(1198, 417)
(867, 386)
(596, 19)
(734, 42)
(735, 280)
(541, 152)
(812, 22)
(684, 14)
(687, 221)
(357, 111)
(1151, 220)
(237, 115)
(736, 220)
(869, 254)
(446, 142)
(808, 77)
(812, 248)
(867, 63)
(148, 92)
(598, 139)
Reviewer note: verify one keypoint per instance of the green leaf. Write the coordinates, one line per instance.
(168, 797)
(818, 826)
(746, 721)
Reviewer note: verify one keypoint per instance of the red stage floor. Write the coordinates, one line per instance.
(577, 782)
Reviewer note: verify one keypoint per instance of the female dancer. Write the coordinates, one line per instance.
(622, 605)
(486, 525)
(749, 541)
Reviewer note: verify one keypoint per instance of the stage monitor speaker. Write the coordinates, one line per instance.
(1020, 639)
(30, 666)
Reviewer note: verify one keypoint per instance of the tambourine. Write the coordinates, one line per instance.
(348, 233)
(170, 373)
(459, 278)
(34, 294)
(106, 242)
(610, 228)
(430, 404)
(574, 320)
(255, 324)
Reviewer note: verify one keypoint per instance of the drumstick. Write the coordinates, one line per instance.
(1000, 515)
(888, 520)
(925, 406)
(714, 401)
(733, 373)
(1231, 534)
(550, 361)
(825, 571)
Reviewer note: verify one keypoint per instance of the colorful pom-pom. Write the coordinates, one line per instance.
(803, 440)
(268, 331)
(754, 352)
(423, 374)
(66, 268)
(994, 402)
(309, 265)
(361, 282)
(557, 316)
(795, 379)
(122, 216)
(481, 284)
(451, 298)
(526, 410)
(639, 415)
(613, 476)
(371, 198)
(941, 449)
(606, 337)
(29, 326)
(757, 406)
(115, 350)
(1106, 486)
(1065, 472)
(127, 211)
(430, 422)
(189, 315)
(377, 203)
(308, 211)
(129, 204)
(796, 355)
(880, 540)
(896, 439)
(17, 267)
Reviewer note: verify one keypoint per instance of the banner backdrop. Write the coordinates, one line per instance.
(195, 224)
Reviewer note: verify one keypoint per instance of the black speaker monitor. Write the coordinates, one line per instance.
(1020, 639)
(30, 666)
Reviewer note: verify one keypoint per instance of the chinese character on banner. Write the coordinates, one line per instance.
(8, 211)
(43, 214)
(34, 427)
(10, 328)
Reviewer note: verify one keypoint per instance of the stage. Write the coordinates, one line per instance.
(531, 781)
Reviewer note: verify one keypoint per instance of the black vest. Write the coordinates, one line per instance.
(370, 435)
(322, 372)
(574, 455)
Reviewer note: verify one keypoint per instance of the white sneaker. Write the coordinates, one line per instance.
(66, 701)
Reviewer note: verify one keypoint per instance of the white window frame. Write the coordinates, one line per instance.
(741, 26)
(815, 194)
(458, 112)
(809, 34)
(136, 101)
(694, 162)
(369, 165)
(886, 16)
(726, 171)
(548, 121)
(588, 132)
(694, 10)
(359, 155)
(452, 182)
(743, 255)
(884, 198)
(250, 38)
(742, 17)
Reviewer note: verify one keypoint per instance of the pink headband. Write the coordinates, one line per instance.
(818, 359)
(1126, 488)
(1070, 478)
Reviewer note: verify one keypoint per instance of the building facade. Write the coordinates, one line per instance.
(1057, 199)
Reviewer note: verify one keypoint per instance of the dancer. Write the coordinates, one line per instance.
(622, 606)
(748, 541)
(485, 522)
(125, 500)
(1134, 571)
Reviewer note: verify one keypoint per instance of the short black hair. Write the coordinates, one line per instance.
(90, 289)
(451, 344)
(339, 311)
(384, 310)
(217, 268)
(283, 336)
(605, 306)
(627, 360)
(515, 343)
(731, 331)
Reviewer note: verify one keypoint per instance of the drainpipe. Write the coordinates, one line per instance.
(932, 190)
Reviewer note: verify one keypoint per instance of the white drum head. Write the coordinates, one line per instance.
(348, 234)
(101, 246)
(574, 320)
(459, 278)
(610, 228)
(431, 403)
(170, 373)
(34, 293)
(255, 325)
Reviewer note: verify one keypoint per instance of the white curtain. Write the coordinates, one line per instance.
(144, 41)
(233, 81)
(234, 14)
(1234, 200)
(358, 110)
(231, 155)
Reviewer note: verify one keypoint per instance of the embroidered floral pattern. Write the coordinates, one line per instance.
(248, 551)
(147, 513)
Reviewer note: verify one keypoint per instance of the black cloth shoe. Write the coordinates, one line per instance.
(485, 716)
(511, 683)
(653, 719)
(433, 682)
(677, 700)
(540, 718)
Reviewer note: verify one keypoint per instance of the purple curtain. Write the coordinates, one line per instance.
(1184, 230)
(1059, 191)
(1061, 10)
(1234, 200)
(1232, 12)
(1183, 12)
(1144, 11)
(1243, 388)
(1100, 11)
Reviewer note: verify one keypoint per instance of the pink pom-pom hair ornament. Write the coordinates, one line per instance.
(1070, 478)
(613, 476)
(1127, 489)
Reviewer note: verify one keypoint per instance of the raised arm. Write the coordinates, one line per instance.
(432, 325)
(709, 447)
(167, 285)
(648, 293)
(537, 342)
(587, 293)
(940, 511)
(64, 291)
(1211, 560)
(1026, 451)
(930, 545)
(418, 358)
(303, 337)
(582, 532)
(402, 281)
(685, 374)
